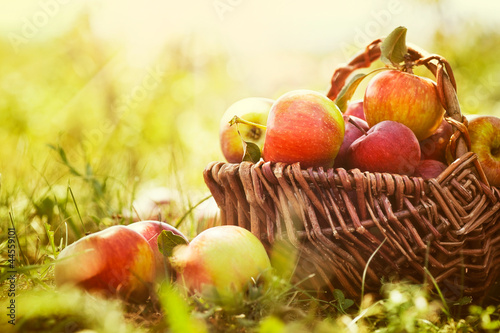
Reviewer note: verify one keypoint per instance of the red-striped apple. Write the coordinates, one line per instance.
(484, 134)
(116, 261)
(304, 126)
(406, 98)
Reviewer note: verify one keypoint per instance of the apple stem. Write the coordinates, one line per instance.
(238, 120)
(352, 121)
(408, 66)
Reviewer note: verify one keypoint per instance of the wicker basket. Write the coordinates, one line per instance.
(354, 228)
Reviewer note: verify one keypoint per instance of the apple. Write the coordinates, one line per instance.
(351, 134)
(252, 109)
(428, 169)
(406, 98)
(304, 126)
(434, 147)
(355, 108)
(221, 260)
(389, 146)
(484, 132)
(116, 261)
(150, 230)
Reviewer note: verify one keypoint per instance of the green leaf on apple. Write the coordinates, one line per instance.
(349, 89)
(251, 152)
(167, 241)
(393, 48)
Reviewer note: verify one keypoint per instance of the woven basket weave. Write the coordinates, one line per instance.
(348, 223)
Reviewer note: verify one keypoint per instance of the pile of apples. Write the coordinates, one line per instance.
(398, 127)
(128, 261)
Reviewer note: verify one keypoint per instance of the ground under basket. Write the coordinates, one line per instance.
(356, 228)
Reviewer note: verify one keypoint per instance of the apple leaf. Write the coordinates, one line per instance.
(349, 89)
(167, 241)
(393, 47)
(251, 152)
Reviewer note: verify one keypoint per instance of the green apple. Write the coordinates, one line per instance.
(251, 109)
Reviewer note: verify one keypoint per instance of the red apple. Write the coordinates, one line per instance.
(428, 169)
(116, 261)
(355, 108)
(150, 230)
(223, 259)
(406, 98)
(252, 109)
(484, 134)
(154, 203)
(304, 126)
(389, 146)
(434, 147)
(351, 134)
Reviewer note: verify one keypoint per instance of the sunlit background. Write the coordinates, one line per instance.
(109, 96)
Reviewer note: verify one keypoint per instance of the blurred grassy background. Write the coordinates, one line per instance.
(103, 98)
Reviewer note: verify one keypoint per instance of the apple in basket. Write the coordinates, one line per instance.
(388, 146)
(221, 262)
(251, 109)
(434, 147)
(304, 126)
(406, 98)
(150, 231)
(116, 261)
(428, 169)
(352, 132)
(355, 108)
(484, 134)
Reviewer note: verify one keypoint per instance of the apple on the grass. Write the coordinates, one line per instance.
(428, 169)
(434, 147)
(406, 98)
(351, 134)
(355, 108)
(388, 146)
(150, 230)
(116, 261)
(484, 132)
(304, 126)
(252, 109)
(221, 261)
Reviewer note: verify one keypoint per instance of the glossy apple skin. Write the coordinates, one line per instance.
(304, 126)
(389, 147)
(352, 133)
(150, 230)
(224, 257)
(434, 147)
(484, 134)
(116, 261)
(428, 169)
(253, 109)
(355, 108)
(406, 98)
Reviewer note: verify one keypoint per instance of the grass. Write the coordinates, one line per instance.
(78, 149)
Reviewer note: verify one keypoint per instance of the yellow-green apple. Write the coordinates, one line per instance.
(406, 98)
(221, 261)
(304, 126)
(150, 230)
(352, 132)
(252, 109)
(434, 147)
(428, 169)
(116, 261)
(388, 146)
(355, 108)
(484, 134)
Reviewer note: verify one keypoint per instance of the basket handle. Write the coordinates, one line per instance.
(445, 82)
